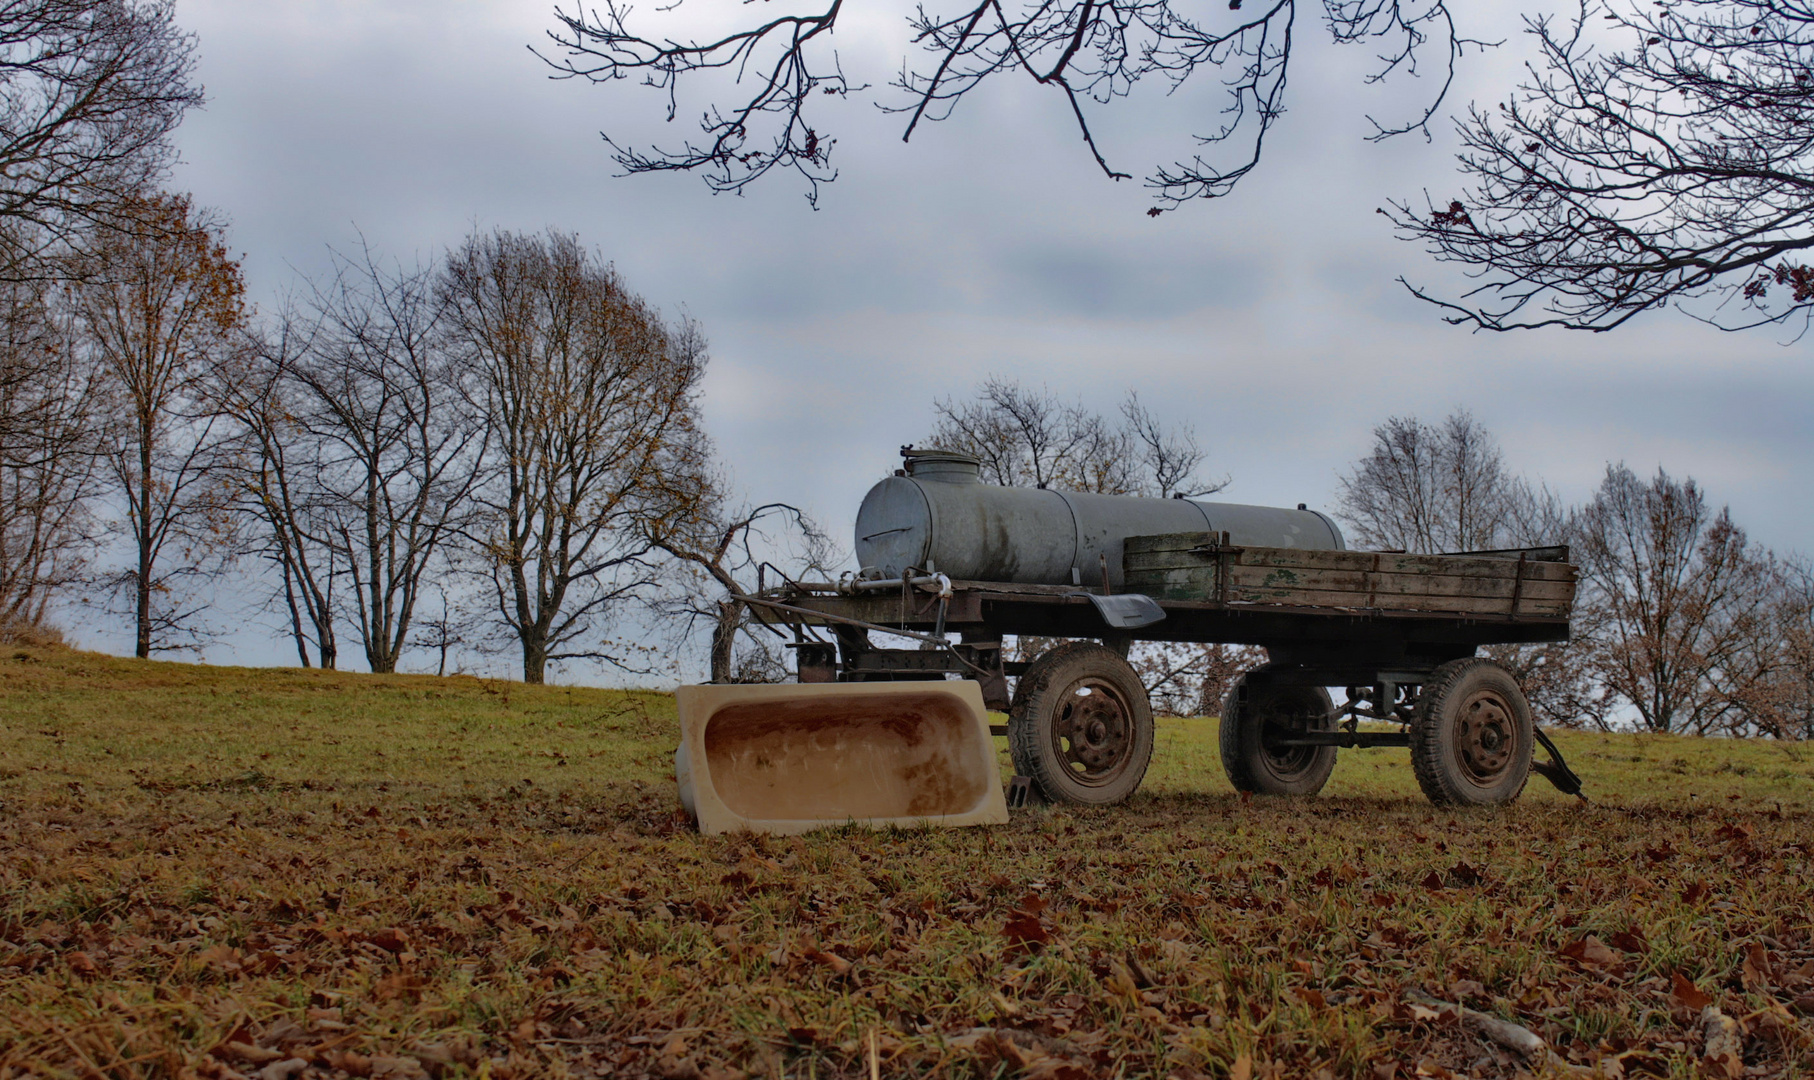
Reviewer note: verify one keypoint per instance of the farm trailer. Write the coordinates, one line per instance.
(944, 554)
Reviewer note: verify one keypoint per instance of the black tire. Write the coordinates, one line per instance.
(1075, 749)
(1254, 717)
(1471, 735)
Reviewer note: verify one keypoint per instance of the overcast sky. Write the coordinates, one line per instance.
(991, 245)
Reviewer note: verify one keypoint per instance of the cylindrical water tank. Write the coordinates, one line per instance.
(940, 516)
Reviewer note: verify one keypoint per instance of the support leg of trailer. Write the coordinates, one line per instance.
(1555, 770)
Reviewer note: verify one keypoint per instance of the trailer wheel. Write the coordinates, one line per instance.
(1080, 725)
(1471, 735)
(1254, 718)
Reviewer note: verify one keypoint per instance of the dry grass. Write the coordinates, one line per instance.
(210, 871)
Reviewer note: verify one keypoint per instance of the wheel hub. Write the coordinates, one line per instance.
(1093, 731)
(1485, 736)
(1276, 726)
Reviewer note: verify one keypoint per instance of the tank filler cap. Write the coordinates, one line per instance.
(943, 466)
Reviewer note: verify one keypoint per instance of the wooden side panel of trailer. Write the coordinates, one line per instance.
(1197, 567)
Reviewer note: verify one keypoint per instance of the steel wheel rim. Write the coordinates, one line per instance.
(1485, 737)
(1092, 732)
(1287, 763)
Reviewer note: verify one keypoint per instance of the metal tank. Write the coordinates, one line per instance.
(937, 516)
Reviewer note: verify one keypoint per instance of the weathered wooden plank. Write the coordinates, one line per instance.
(1495, 570)
(1383, 585)
(1149, 551)
(1389, 563)
(1555, 555)
(1463, 605)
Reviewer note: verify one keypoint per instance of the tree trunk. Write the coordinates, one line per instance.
(144, 605)
(289, 598)
(144, 540)
(724, 636)
(535, 657)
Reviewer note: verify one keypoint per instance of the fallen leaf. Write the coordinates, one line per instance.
(223, 958)
(836, 963)
(350, 1062)
(1590, 951)
(1643, 1060)
(1754, 972)
(1033, 1055)
(1686, 994)
(403, 1068)
(1142, 977)
(254, 1055)
(1631, 941)
(674, 1063)
(1025, 933)
(1466, 988)
(390, 939)
(1121, 981)
(287, 1069)
(1722, 1046)
(399, 986)
(1242, 1069)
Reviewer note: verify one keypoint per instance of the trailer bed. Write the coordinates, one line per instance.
(1387, 604)
(1400, 632)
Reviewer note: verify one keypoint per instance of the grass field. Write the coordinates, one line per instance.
(213, 872)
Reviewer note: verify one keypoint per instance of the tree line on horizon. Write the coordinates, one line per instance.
(503, 448)
(510, 425)
(509, 434)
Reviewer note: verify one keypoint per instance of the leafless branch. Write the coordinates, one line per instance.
(1673, 170)
(772, 70)
(89, 95)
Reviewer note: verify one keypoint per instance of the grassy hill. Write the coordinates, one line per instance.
(213, 871)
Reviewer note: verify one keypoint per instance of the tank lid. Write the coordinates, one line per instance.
(944, 466)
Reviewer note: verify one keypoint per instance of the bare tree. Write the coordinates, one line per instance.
(160, 308)
(1431, 488)
(275, 483)
(444, 629)
(1030, 438)
(1671, 168)
(1682, 632)
(90, 91)
(772, 68)
(726, 552)
(386, 411)
(589, 400)
(48, 465)
(1192, 680)
(1782, 705)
